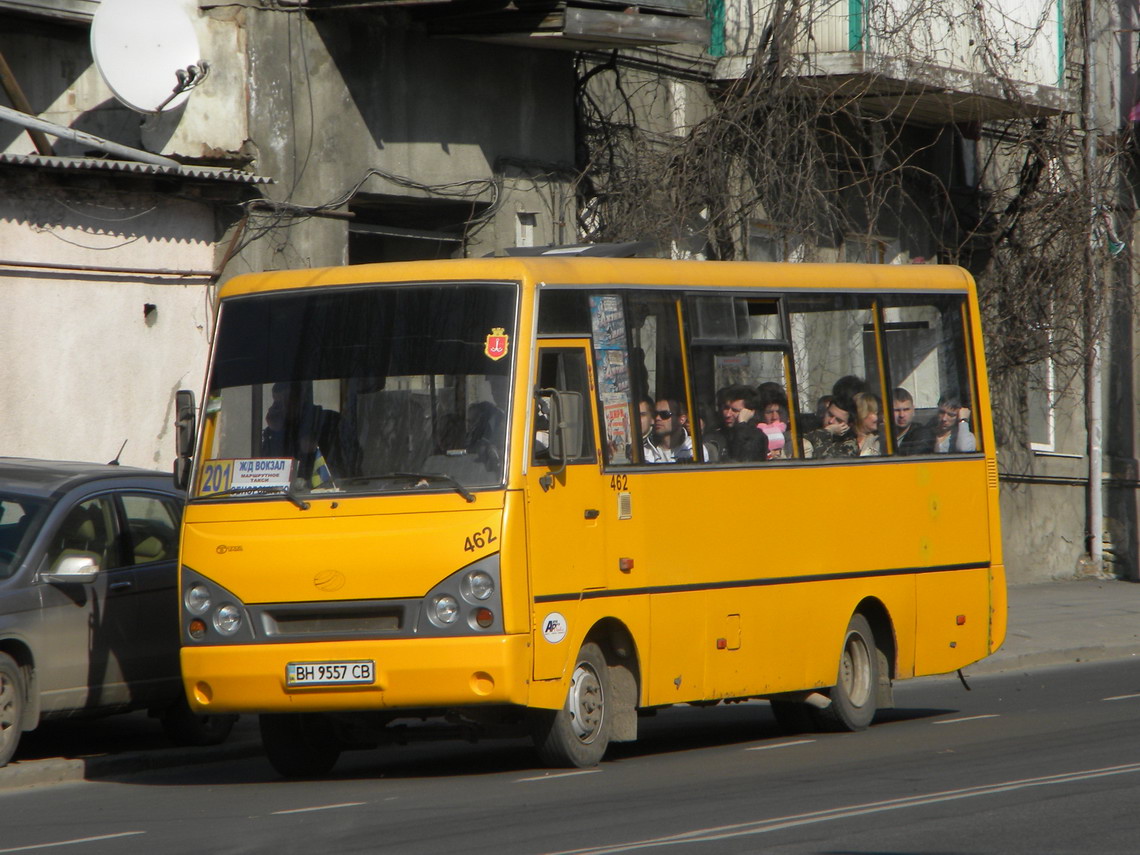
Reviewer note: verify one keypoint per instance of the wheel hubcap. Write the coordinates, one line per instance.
(586, 703)
(855, 670)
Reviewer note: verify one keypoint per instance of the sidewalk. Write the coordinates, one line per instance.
(1050, 623)
(1056, 623)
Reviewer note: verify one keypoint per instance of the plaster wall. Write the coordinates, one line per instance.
(84, 364)
(365, 102)
(1043, 529)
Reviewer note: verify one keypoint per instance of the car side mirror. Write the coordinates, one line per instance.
(73, 568)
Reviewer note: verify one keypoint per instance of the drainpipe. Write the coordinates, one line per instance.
(1093, 310)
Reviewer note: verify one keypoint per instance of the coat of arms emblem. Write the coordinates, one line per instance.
(496, 346)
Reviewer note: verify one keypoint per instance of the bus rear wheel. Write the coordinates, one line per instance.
(577, 735)
(299, 745)
(853, 697)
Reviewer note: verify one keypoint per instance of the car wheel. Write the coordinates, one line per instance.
(13, 697)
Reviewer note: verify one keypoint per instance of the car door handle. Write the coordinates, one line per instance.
(121, 585)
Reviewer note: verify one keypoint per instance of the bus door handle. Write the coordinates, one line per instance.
(592, 513)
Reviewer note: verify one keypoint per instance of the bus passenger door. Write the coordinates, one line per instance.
(564, 510)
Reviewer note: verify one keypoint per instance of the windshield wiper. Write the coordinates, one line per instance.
(440, 476)
(414, 476)
(287, 492)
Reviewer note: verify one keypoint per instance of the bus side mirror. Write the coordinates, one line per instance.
(184, 430)
(565, 431)
(565, 426)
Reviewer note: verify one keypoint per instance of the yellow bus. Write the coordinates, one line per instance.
(557, 493)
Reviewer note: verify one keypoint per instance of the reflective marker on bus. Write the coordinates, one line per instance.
(549, 494)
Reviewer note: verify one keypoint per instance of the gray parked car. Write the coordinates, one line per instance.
(88, 598)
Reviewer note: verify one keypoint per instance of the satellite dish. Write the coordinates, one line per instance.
(147, 52)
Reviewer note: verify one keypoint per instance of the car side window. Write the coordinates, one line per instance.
(152, 529)
(88, 529)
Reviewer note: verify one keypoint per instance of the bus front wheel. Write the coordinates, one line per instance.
(299, 745)
(578, 734)
(853, 698)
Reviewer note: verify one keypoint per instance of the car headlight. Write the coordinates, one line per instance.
(477, 586)
(227, 619)
(197, 599)
(443, 610)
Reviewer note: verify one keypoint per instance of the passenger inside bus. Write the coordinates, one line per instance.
(951, 427)
(836, 437)
(669, 440)
(747, 441)
(911, 437)
(866, 425)
(774, 417)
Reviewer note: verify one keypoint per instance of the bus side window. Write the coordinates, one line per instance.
(933, 394)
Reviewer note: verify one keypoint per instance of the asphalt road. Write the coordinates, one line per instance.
(1038, 762)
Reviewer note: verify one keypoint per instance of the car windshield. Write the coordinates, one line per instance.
(20, 519)
(365, 389)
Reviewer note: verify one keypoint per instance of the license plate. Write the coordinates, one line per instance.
(356, 672)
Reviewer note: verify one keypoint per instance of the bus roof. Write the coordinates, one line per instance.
(610, 272)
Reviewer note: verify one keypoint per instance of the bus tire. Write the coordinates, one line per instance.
(13, 698)
(853, 697)
(299, 745)
(577, 735)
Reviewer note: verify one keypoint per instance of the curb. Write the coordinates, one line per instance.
(999, 664)
(51, 771)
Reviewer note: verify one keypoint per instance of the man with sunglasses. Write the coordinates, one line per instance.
(668, 441)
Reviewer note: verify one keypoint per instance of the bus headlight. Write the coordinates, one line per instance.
(443, 610)
(477, 586)
(227, 619)
(197, 599)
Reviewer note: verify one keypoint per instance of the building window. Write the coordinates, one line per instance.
(525, 225)
(394, 228)
(766, 242)
(860, 249)
(1041, 398)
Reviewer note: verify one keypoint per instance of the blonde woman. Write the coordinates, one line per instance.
(866, 425)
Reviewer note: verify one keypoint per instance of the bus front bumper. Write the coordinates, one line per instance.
(408, 673)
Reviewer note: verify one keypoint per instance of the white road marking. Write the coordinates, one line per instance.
(780, 745)
(558, 775)
(318, 807)
(1123, 697)
(745, 829)
(967, 718)
(72, 842)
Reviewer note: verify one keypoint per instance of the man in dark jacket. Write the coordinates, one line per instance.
(911, 437)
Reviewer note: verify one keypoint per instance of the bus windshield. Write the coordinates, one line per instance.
(367, 389)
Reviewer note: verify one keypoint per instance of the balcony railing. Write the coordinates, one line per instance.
(972, 60)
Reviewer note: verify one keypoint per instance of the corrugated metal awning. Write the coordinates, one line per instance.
(99, 164)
